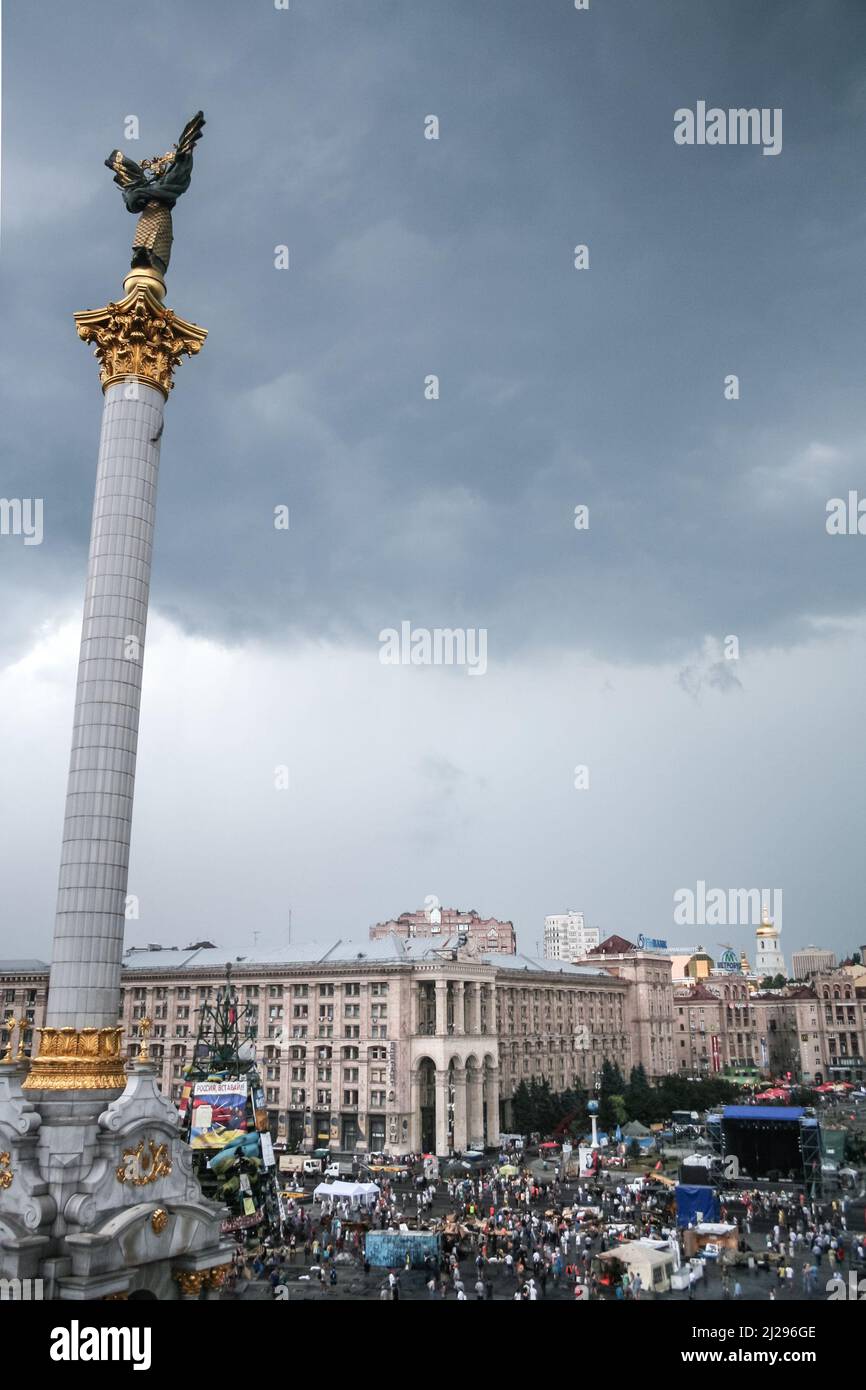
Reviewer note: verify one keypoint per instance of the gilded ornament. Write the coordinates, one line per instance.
(144, 1164)
(144, 1027)
(190, 1281)
(70, 1059)
(136, 337)
(159, 1221)
(6, 1174)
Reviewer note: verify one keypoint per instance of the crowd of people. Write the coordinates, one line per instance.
(527, 1234)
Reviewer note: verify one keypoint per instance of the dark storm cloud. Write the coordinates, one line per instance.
(410, 257)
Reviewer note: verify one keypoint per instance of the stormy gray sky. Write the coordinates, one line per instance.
(602, 387)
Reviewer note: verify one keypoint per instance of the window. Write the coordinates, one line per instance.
(378, 1054)
(352, 1030)
(379, 988)
(299, 1095)
(272, 1095)
(183, 992)
(352, 1011)
(352, 991)
(350, 1074)
(350, 1054)
(326, 991)
(377, 1075)
(323, 1073)
(378, 1011)
(299, 1073)
(182, 1031)
(326, 1013)
(300, 991)
(274, 991)
(275, 1011)
(183, 1011)
(299, 1030)
(378, 1030)
(350, 1097)
(377, 1099)
(323, 1098)
(10, 996)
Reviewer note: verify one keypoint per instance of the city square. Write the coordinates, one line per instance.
(434, 391)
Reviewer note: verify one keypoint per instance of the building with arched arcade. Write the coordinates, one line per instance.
(396, 1044)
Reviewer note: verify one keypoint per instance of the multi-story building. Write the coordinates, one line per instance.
(445, 923)
(812, 960)
(648, 973)
(396, 1044)
(806, 1033)
(831, 1029)
(717, 1028)
(23, 997)
(567, 937)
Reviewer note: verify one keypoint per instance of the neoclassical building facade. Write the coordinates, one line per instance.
(397, 1045)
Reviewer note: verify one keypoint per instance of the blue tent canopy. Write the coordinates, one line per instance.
(763, 1112)
(692, 1200)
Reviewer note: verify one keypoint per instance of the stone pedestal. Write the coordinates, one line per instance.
(103, 1204)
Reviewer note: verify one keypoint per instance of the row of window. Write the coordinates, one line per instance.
(378, 989)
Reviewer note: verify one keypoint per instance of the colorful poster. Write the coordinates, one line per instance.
(259, 1108)
(185, 1095)
(219, 1113)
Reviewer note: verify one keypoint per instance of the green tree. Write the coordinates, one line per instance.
(521, 1109)
(639, 1096)
(618, 1107)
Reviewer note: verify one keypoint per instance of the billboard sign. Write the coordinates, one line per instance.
(219, 1113)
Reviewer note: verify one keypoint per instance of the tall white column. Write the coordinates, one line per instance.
(91, 901)
(491, 1096)
(441, 1111)
(460, 1136)
(139, 343)
(441, 1007)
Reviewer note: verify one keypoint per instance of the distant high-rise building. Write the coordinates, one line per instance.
(811, 961)
(567, 937)
(485, 934)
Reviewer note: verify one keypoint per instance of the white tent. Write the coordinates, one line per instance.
(362, 1194)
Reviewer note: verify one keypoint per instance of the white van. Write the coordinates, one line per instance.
(313, 1166)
